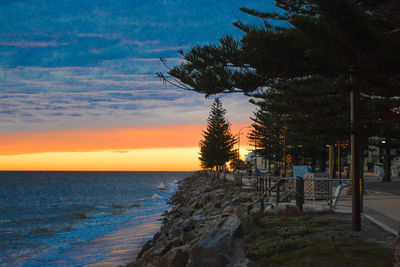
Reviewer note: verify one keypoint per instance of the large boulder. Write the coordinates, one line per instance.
(216, 247)
(227, 209)
(243, 262)
(178, 257)
(396, 250)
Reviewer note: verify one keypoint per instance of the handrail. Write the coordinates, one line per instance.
(260, 197)
(288, 193)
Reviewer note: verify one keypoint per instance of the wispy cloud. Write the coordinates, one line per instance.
(111, 36)
(139, 42)
(32, 44)
(168, 48)
(157, 59)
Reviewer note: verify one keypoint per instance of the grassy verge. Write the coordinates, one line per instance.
(309, 240)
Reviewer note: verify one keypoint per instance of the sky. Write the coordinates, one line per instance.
(78, 89)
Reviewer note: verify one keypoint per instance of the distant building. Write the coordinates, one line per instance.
(255, 161)
(374, 156)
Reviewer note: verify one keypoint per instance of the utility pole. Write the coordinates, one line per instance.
(284, 150)
(355, 159)
(339, 162)
(331, 173)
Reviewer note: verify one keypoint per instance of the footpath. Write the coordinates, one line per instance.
(381, 203)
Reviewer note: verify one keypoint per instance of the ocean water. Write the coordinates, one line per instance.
(80, 218)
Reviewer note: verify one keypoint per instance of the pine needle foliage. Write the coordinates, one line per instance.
(216, 147)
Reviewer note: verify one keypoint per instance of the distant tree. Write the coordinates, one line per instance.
(216, 147)
(237, 163)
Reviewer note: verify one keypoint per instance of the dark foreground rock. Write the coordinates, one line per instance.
(201, 229)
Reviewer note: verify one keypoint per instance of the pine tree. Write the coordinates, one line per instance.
(319, 52)
(217, 146)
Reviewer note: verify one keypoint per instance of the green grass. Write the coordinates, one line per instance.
(308, 241)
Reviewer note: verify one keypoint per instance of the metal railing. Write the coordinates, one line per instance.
(310, 189)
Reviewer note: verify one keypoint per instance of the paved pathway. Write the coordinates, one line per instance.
(247, 183)
(381, 203)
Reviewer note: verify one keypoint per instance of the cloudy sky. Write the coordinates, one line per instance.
(77, 80)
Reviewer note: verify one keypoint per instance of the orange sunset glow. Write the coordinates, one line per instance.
(163, 148)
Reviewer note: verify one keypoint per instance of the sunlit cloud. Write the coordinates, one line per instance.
(120, 139)
(152, 159)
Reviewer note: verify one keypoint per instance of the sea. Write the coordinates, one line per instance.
(80, 218)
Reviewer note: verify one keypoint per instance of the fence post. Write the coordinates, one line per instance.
(277, 193)
(269, 184)
(257, 185)
(248, 209)
(266, 183)
(262, 204)
(262, 184)
(299, 193)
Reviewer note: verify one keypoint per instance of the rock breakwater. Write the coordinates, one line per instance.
(202, 228)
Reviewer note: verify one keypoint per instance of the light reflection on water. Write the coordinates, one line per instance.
(122, 246)
(79, 218)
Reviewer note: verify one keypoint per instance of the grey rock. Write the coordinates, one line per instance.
(215, 248)
(243, 262)
(227, 209)
(224, 204)
(177, 257)
(255, 210)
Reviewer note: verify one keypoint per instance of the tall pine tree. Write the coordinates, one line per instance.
(217, 146)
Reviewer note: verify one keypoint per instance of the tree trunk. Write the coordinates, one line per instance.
(387, 162)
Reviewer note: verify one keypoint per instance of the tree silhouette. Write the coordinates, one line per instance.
(217, 146)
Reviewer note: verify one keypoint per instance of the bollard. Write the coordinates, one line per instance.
(299, 193)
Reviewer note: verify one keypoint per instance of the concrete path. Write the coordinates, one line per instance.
(381, 203)
(247, 184)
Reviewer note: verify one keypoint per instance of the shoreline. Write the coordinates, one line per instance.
(122, 243)
(199, 229)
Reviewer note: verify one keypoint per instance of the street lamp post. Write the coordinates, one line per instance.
(355, 159)
(239, 138)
